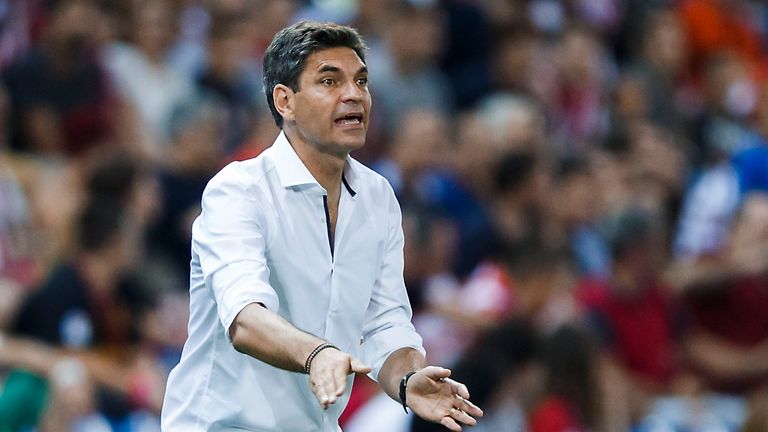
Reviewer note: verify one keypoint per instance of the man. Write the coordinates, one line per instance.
(298, 249)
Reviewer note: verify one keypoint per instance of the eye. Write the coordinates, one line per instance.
(327, 82)
(362, 82)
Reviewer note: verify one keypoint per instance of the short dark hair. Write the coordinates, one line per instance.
(285, 57)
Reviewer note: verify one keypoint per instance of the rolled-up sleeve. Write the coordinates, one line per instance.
(388, 325)
(229, 238)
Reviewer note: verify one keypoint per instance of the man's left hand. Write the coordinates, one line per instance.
(433, 396)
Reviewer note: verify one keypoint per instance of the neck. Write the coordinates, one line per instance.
(325, 167)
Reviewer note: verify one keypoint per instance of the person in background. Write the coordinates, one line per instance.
(92, 309)
(572, 398)
(636, 318)
(143, 75)
(62, 100)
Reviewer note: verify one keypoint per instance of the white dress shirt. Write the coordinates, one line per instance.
(263, 237)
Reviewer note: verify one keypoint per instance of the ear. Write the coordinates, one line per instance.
(282, 96)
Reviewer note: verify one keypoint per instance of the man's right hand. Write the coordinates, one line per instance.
(328, 374)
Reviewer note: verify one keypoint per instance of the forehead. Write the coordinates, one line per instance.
(343, 58)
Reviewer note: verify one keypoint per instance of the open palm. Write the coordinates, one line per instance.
(433, 396)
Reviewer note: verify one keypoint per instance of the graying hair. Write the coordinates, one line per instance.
(285, 57)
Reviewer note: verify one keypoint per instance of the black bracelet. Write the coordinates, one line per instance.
(403, 386)
(315, 352)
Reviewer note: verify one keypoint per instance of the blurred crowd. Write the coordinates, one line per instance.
(584, 186)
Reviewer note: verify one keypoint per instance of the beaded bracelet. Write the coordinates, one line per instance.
(315, 352)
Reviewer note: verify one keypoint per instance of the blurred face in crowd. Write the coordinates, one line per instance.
(729, 87)
(228, 48)
(579, 57)
(153, 27)
(577, 198)
(272, 16)
(416, 37)
(513, 62)
(74, 26)
(665, 45)
(421, 140)
(331, 107)
(198, 148)
(631, 102)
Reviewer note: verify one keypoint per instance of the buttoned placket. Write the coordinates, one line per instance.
(346, 207)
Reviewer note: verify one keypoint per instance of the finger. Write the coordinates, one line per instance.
(320, 393)
(450, 423)
(330, 388)
(358, 367)
(339, 381)
(468, 407)
(458, 388)
(436, 373)
(462, 417)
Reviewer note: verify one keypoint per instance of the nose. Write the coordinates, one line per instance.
(352, 92)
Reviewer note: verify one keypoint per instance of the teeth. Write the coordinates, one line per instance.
(349, 121)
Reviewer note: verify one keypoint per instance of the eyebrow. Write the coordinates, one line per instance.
(335, 69)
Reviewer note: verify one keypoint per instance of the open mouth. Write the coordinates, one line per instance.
(352, 119)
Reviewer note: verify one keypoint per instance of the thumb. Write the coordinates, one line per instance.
(357, 366)
(436, 373)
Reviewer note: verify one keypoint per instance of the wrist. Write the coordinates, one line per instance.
(403, 392)
(314, 353)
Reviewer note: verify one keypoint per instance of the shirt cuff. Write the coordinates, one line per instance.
(234, 290)
(377, 348)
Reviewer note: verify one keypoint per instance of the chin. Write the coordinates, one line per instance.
(353, 142)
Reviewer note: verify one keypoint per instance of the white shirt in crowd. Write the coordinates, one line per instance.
(262, 237)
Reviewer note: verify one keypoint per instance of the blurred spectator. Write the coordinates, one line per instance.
(408, 76)
(88, 306)
(541, 286)
(579, 105)
(18, 265)
(142, 74)
(16, 18)
(632, 312)
(728, 341)
(228, 76)
(571, 400)
(197, 149)
(416, 161)
(661, 71)
(576, 208)
(62, 101)
(466, 56)
(501, 368)
(522, 189)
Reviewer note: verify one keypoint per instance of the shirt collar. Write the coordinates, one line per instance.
(293, 172)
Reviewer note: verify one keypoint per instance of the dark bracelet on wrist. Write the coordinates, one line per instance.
(403, 386)
(315, 352)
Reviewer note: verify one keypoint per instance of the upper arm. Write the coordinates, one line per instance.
(230, 237)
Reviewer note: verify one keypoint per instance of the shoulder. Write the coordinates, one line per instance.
(243, 175)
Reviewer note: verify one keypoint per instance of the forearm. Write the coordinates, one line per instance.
(726, 361)
(26, 354)
(396, 366)
(264, 335)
